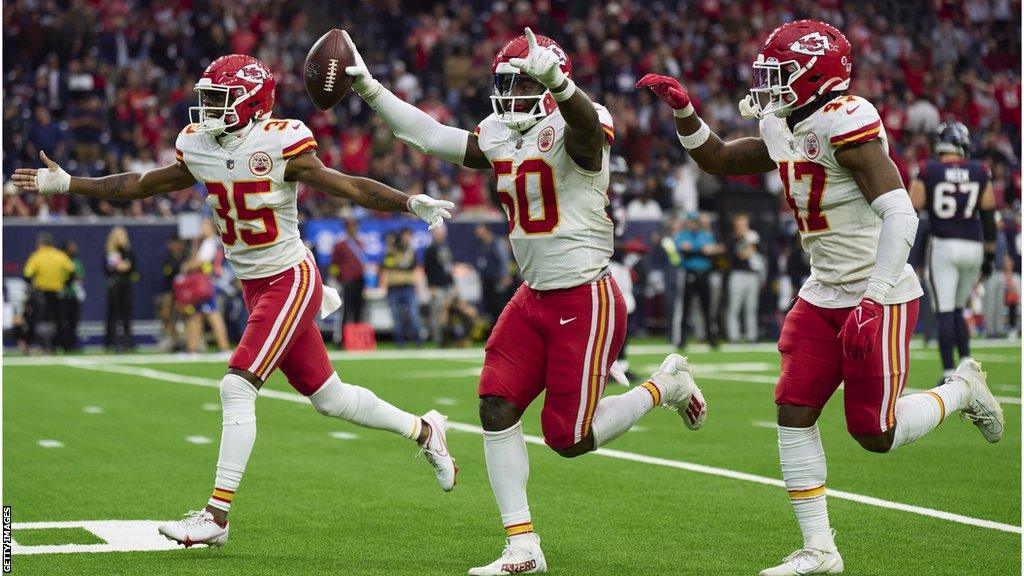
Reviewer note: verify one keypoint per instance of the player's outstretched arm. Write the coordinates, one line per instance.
(412, 125)
(127, 186)
(880, 183)
(735, 157)
(584, 136)
(309, 170)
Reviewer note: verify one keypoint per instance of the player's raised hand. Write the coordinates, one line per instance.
(431, 210)
(50, 180)
(747, 108)
(861, 330)
(668, 89)
(363, 82)
(542, 63)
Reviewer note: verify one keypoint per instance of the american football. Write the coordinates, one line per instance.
(506, 287)
(324, 70)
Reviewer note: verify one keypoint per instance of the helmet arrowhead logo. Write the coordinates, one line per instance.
(813, 44)
(253, 73)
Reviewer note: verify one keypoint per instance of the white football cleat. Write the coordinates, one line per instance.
(807, 561)
(522, 556)
(436, 450)
(675, 380)
(197, 527)
(982, 410)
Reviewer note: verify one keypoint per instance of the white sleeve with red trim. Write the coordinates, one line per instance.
(856, 122)
(296, 139)
(607, 125)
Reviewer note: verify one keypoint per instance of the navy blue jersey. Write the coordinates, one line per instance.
(953, 193)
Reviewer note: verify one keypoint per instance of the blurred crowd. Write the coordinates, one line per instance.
(104, 86)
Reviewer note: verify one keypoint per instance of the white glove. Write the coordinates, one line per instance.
(430, 210)
(746, 107)
(52, 179)
(363, 83)
(541, 63)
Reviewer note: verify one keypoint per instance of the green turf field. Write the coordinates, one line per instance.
(135, 438)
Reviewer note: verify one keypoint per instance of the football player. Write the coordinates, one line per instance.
(548, 146)
(854, 316)
(957, 194)
(250, 164)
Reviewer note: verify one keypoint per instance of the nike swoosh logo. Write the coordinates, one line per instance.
(272, 282)
(563, 321)
(296, 125)
(850, 111)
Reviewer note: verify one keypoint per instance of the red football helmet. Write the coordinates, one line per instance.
(521, 111)
(233, 91)
(798, 63)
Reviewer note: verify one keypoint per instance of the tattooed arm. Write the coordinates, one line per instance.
(125, 186)
(735, 157)
(308, 169)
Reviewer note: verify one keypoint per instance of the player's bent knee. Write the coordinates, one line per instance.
(878, 443)
(578, 449)
(792, 416)
(496, 413)
(237, 399)
(337, 399)
(249, 377)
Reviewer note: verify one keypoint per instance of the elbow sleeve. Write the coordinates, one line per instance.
(419, 130)
(899, 229)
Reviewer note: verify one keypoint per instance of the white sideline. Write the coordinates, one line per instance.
(619, 454)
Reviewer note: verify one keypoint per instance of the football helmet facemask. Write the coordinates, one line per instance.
(799, 62)
(233, 91)
(517, 108)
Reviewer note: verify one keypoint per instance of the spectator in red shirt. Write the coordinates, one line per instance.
(355, 150)
(347, 265)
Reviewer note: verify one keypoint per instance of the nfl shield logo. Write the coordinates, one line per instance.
(811, 146)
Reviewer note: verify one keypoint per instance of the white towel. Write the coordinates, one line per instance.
(331, 302)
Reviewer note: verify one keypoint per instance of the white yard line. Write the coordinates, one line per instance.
(51, 443)
(618, 454)
(198, 440)
(762, 379)
(117, 535)
(428, 354)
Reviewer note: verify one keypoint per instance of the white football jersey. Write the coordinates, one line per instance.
(837, 225)
(561, 234)
(253, 206)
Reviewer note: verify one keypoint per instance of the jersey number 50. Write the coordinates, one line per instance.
(235, 202)
(518, 205)
(815, 220)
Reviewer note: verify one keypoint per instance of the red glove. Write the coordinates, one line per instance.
(668, 89)
(861, 329)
